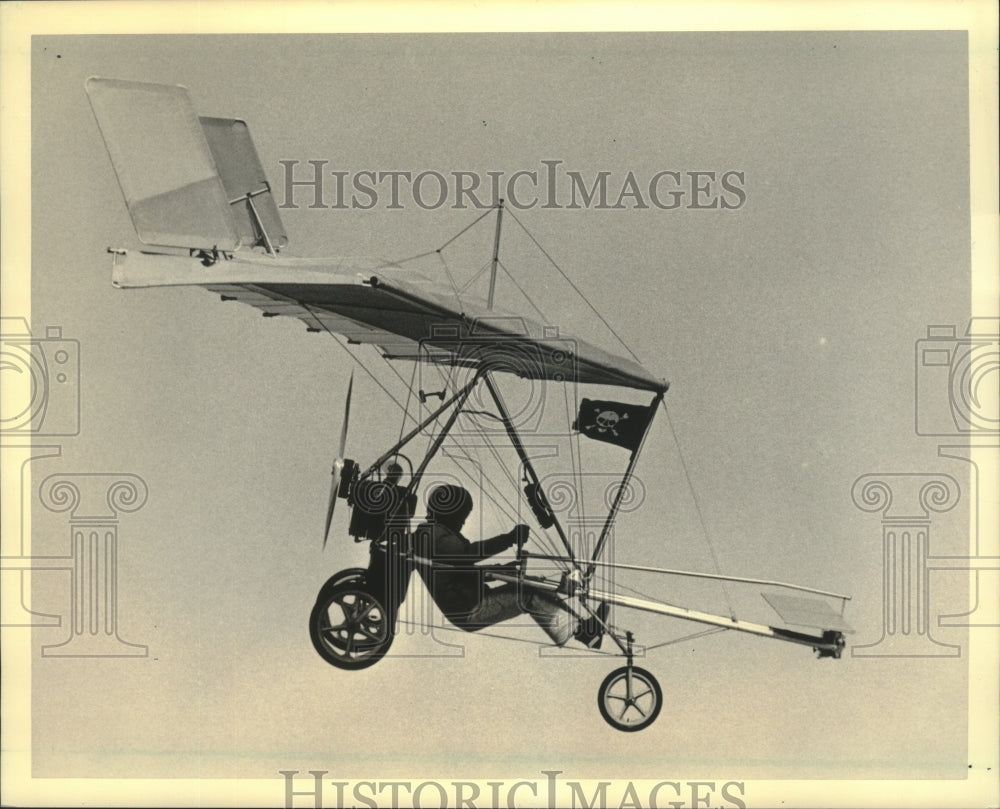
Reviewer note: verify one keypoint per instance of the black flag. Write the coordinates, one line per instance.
(614, 422)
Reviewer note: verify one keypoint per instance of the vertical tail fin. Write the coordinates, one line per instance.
(187, 182)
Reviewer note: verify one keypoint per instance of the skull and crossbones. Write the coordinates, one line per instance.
(607, 421)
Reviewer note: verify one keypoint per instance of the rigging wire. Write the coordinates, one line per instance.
(468, 227)
(512, 514)
(453, 444)
(426, 253)
(543, 644)
(506, 508)
(351, 354)
(451, 280)
(479, 632)
(687, 474)
(478, 275)
(637, 592)
(449, 381)
(550, 543)
(508, 273)
(406, 260)
(578, 291)
(489, 444)
(406, 408)
(575, 462)
(692, 636)
(697, 505)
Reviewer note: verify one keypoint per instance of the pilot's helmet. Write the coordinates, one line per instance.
(450, 505)
(393, 472)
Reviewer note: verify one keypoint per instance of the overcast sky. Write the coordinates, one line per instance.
(785, 324)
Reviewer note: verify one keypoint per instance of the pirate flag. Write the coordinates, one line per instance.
(614, 422)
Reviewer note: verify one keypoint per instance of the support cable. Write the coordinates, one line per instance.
(451, 280)
(520, 289)
(697, 506)
(409, 396)
(578, 291)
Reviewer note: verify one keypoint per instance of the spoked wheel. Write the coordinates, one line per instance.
(355, 575)
(350, 627)
(630, 699)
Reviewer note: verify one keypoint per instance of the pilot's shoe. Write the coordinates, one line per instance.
(591, 631)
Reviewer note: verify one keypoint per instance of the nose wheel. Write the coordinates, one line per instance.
(630, 698)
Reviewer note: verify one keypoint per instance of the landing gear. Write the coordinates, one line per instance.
(630, 698)
(350, 626)
(351, 574)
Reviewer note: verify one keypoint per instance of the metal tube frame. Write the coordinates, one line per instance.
(830, 642)
(462, 394)
(700, 575)
(529, 469)
(255, 217)
(461, 399)
(496, 257)
(626, 478)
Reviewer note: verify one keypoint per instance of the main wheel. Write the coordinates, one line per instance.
(350, 627)
(630, 699)
(355, 575)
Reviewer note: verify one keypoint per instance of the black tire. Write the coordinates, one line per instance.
(351, 574)
(630, 699)
(350, 627)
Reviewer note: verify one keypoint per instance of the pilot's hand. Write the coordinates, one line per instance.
(519, 535)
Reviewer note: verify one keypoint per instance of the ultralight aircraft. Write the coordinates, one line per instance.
(195, 189)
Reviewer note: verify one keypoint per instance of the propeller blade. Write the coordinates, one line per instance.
(338, 470)
(347, 414)
(338, 464)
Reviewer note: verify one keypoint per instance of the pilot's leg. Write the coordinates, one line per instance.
(553, 615)
(495, 605)
(550, 612)
(562, 622)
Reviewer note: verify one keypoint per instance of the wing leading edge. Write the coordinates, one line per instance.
(406, 315)
(199, 185)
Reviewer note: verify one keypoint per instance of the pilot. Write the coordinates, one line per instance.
(393, 473)
(461, 593)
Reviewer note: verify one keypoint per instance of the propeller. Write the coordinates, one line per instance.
(338, 464)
